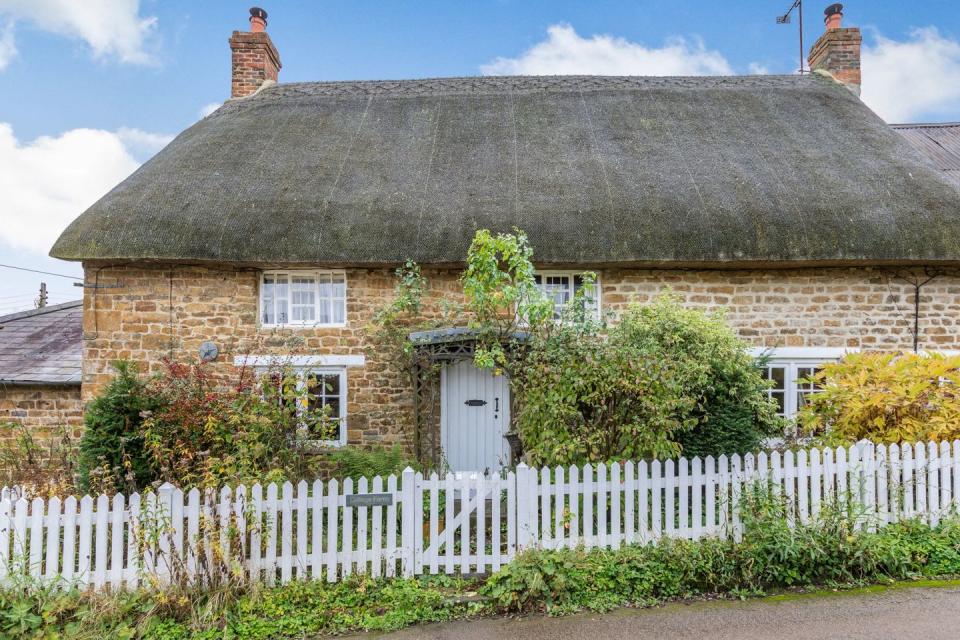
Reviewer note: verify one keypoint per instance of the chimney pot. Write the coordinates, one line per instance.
(833, 16)
(258, 20)
(837, 51)
(255, 60)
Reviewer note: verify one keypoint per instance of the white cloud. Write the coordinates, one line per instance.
(207, 109)
(757, 69)
(566, 52)
(906, 80)
(111, 28)
(142, 144)
(48, 182)
(8, 47)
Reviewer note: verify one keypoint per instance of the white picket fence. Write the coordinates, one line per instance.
(411, 525)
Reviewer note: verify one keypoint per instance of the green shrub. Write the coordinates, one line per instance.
(582, 398)
(771, 556)
(886, 397)
(112, 451)
(727, 402)
(354, 462)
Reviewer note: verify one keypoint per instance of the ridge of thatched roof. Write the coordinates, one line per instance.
(600, 170)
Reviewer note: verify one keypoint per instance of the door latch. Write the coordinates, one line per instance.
(475, 403)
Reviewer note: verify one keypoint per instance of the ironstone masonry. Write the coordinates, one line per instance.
(163, 312)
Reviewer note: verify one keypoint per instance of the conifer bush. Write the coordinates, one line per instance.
(112, 453)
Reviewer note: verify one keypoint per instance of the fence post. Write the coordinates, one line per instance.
(523, 507)
(408, 526)
(165, 524)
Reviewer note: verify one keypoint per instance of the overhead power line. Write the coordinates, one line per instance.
(46, 273)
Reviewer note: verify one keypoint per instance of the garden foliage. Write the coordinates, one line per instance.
(726, 400)
(773, 555)
(112, 453)
(203, 432)
(886, 397)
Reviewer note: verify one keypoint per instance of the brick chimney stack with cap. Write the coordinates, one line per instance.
(838, 49)
(255, 59)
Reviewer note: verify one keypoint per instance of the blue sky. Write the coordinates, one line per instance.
(90, 89)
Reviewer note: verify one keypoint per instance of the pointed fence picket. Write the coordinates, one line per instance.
(410, 524)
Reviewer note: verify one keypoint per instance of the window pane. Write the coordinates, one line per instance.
(590, 296)
(325, 412)
(778, 375)
(281, 298)
(779, 397)
(805, 385)
(268, 315)
(558, 289)
(303, 299)
(332, 385)
(339, 302)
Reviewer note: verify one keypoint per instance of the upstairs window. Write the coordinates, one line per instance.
(561, 287)
(304, 298)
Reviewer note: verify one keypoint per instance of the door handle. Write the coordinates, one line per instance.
(496, 405)
(475, 403)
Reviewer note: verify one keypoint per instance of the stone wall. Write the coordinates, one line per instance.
(155, 313)
(149, 313)
(852, 308)
(42, 408)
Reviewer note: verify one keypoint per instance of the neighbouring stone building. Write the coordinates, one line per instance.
(271, 229)
(40, 368)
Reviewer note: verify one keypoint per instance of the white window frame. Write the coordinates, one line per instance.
(303, 365)
(571, 275)
(792, 360)
(317, 274)
(301, 373)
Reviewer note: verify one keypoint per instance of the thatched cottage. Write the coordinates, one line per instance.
(272, 227)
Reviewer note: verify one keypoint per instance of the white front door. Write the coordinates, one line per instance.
(474, 415)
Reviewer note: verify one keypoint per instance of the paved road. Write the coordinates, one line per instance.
(900, 613)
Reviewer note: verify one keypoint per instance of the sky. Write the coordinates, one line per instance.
(91, 89)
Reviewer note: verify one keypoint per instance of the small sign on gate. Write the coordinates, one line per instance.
(370, 500)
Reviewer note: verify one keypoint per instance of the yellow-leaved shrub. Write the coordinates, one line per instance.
(886, 397)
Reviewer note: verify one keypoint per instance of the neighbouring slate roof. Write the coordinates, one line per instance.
(602, 170)
(42, 346)
(940, 142)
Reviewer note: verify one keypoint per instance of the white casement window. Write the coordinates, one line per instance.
(326, 389)
(322, 391)
(790, 371)
(304, 298)
(561, 286)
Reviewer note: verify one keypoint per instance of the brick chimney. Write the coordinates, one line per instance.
(838, 50)
(255, 59)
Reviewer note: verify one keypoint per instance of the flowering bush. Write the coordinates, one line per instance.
(202, 434)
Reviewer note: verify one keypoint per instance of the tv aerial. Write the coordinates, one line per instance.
(786, 19)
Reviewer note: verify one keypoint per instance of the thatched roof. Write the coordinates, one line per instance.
(42, 346)
(597, 170)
